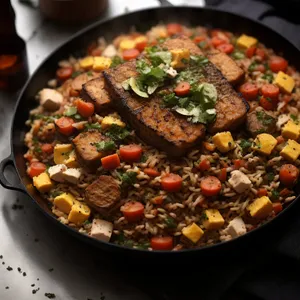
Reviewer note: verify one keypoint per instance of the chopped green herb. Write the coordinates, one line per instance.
(270, 176)
(89, 73)
(129, 178)
(105, 146)
(265, 118)
(116, 60)
(144, 158)
(294, 118)
(92, 126)
(144, 245)
(204, 216)
(238, 55)
(252, 67)
(55, 194)
(160, 57)
(86, 222)
(170, 99)
(245, 144)
(275, 194)
(75, 74)
(199, 60)
(268, 76)
(71, 111)
(117, 133)
(170, 222)
(202, 45)
(77, 117)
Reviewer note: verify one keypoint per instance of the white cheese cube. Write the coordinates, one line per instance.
(101, 230)
(50, 99)
(282, 119)
(236, 227)
(110, 51)
(56, 172)
(172, 72)
(239, 181)
(72, 175)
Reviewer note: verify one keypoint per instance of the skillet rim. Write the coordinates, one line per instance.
(116, 247)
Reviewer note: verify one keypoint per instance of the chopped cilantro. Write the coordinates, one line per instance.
(86, 222)
(170, 99)
(252, 67)
(144, 158)
(266, 119)
(199, 60)
(117, 133)
(144, 245)
(77, 117)
(294, 118)
(116, 60)
(170, 222)
(75, 74)
(202, 44)
(275, 194)
(268, 76)
(55, 194)
(204, 216)
(71, 111)
(238, 55)
(245, 144)
(128, 178)
(160, 57)
(89, 73)
(270, 176)
(105, 146)
(92, 126)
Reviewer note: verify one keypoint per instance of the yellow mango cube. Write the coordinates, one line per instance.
(127, 44)
(291, 130)
(64, 202)
(260, 208)
(246, 41)
(79, 213)
(71, 161)
(61, 153)
(291, 151)
(179, 56)
(87, 62)
(224, 141)
(285, 82)
(140, 39)
(109, 120)
(101, 63)
(43, 182)
(264, 143)
(214, 219)
(193, 232)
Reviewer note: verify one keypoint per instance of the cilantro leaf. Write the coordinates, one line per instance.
(105, 146)
(71, 111)
(238, 55)
(117, 133)
(128, 178)
(245, 144)
(116, 60)
(170, 222)
(92, 126)
(75, 74)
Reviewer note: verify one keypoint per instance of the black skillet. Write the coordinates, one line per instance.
(142, 20)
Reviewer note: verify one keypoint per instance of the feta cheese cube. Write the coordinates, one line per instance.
(64, 202)
(193, 232)
(282, 119)
(72, 175)
(109, 51)
(172, 72)
(246, 41)
(285, 82)
(179, 56)
(291, 130)
(260, 208)
(236, 227)
(239, 181)
(214, 219)
(43, 182)
(291, 151)
(56, 172)
(264, 143)
(224, 141)
(51, 99)
(79, 213)
(101, 230)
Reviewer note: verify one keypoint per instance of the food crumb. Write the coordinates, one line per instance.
(35, 291)
(19, 270)
(36, 240)
(37, 279)
(1, 256)
(7, 287)
(24, 274)
(51, 269)
(9, 268)
(3, 263)
(50, 295)
(33, 285)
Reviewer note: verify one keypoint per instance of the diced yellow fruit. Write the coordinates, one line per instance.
(291, 151)
(260, 208)
(71, 161)
(193, 232)
(264, 143)
(179, 56)
(285, 82)
(79, 213)
(61, 153)
(101, 63)
(224, 141)
(246, 41)
(140, 39)
(127, 44)
(43, 182)
(214, 219)
(64, 202)
(109, 120)
(87, 62)
(291, 130)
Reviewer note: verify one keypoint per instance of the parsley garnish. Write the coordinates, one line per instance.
(117, 133)
(238, 55)
(170, 222)
(252, 66)
(245, 144)
(202, 45)
(75, 74)
(71, 111)
(105, 146)
(268, 76)
(116, 60)
(294, 118)
(270, 176)
(204, 216)
(264, 118)
(128, 178)
(92, 126)
(144, 158)
(144, 245)
(275, 194)
(89, 73)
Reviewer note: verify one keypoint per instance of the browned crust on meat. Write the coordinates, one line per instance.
(103, 194)
(94, 91)
(86, 152)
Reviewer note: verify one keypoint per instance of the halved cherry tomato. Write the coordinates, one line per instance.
(171, 182)
(141, 45)
(36, 168)
(85, 109)
(216, 41)
(262, 192)
(162, 243)
(151, 172)
(47, 148)
(158, 200)
(28, 156)
(131, 153)
(64, 73)
(280, 139)
(210, 186)
(288, 174)
(239, 163)
(174, 28)
(64, 125)
(199, 38)
(130, 54)
(223, 175)
(226, 48)
(133, 211)
(277, 64)
(270, 90)
(267, 104)
(250, 51)
(260, 68)
(182, 89)
(277, 207)
(209, 146)
(204, 165)
(110, 162)
(261, 53)
(249, 90)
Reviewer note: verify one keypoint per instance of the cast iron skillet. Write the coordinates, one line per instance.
(142, 20)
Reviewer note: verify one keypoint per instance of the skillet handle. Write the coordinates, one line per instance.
(3, 181)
